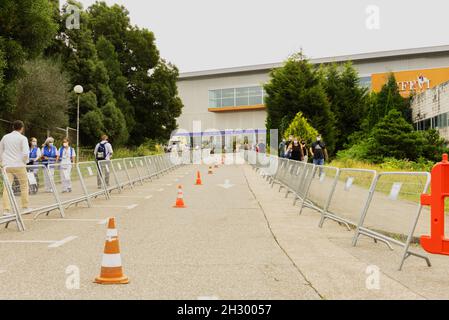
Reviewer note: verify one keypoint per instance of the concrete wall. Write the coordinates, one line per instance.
(195, 96)
(429, 61)
(431, 103)
(194, 91)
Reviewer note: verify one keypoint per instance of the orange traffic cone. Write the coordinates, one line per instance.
(198, 179)
(111, 265)
(210, 170)
(180, 199)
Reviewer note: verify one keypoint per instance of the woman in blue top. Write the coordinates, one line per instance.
(35, 152)
(66, 156)
(35, 156)
(49, 155)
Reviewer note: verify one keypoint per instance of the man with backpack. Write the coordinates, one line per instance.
(103, 152)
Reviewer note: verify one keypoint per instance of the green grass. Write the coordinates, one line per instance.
(87, 154)
(412, 186)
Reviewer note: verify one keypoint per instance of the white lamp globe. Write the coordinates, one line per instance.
(78, 89)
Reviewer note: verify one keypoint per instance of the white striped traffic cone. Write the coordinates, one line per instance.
(111, 265)
(180, 199)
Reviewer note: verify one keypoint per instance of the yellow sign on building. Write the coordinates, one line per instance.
(415, 81)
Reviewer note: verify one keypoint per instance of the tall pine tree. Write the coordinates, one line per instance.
(297, 87)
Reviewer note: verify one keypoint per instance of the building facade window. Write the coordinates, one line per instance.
(365, 82)
(236, 97)
(438, 122)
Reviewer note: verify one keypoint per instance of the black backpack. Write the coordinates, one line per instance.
(101, 151)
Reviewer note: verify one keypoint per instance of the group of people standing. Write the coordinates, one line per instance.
(297, 149)
(16, 153)
(49, 154)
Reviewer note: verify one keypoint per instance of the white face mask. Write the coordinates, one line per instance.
(34, 143)
(318, 139)
(65, 144)
(51, 144)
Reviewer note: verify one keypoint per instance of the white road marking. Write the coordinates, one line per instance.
(208, 298)
(226, 185)
(126, 197)
(148, 197)
(62, 242)
(27, 241)
(100, 221)
(51, 243)
(133, 206)
(160, 190)
(115, 207)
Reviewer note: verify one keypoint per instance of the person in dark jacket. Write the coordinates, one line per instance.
(297, 150)
(305, 151)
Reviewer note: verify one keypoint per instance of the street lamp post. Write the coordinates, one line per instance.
(78, 90)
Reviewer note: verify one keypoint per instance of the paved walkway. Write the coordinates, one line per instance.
(241, 242)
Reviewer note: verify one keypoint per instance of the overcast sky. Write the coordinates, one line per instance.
(209, 34)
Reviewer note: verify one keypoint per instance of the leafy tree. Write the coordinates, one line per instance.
(347, 100)
(3, 65)
(127, 51)
(118, 83)
(110, 23)
(434, 145)
(387, 99)
(91, 127)
(156, 102)
(296, 87)
(126, 84)
(114, 123)
(26, 29)
(394, 137)
(301, 128)
(42, 96)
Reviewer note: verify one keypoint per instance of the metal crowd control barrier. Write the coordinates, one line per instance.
(266, 166)
(107, 176)
(43, 189)
(151, 165)
(165, 163)
(133, 171)
(35, 187)
(350, 190)
(93, 182)
(387, 188)
(263, 164)
(284, 177)
(142, 168)
(290, 180)
(349, 195)
(68, 184)
(296, 176)
(320, 189)
(13, 215)
(280, 175)
(305, 172)
(120, 174)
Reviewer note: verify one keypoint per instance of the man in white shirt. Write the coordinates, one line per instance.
(14, 155)
(103, 151)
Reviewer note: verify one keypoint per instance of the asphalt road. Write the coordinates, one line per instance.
(237, 239)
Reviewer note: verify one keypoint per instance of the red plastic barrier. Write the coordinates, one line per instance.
(437, 243)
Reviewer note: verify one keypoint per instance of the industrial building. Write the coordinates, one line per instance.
(231, 101)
